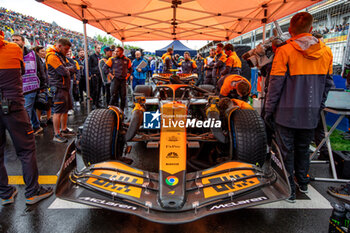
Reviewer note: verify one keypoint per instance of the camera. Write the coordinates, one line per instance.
(4, 104)
(263, 53)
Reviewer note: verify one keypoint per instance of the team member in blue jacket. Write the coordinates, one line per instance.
(139, 74)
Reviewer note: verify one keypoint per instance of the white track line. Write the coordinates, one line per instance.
(317, 201)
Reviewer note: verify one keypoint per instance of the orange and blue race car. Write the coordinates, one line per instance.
(213, 156)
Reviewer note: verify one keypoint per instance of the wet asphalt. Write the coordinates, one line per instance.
(18, 217)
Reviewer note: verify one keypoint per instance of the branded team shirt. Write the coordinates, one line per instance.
(301, 77)
(11, 63)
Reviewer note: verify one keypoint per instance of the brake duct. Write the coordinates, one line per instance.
(214, 113)
(136, 118)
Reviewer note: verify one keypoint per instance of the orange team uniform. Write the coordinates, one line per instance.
(230, 84)
(242, 104)
(233, 65)
(219, 65)
(301, 77)
(188, 66)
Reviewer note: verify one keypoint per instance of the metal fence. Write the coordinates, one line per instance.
(333, 24)
(331, 19)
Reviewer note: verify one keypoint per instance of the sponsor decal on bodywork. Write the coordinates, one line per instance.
(69, 160)
(276, 161)
(238, 203)
(173, 139)
(110, 183)
(108, 203)
(172, 155)
(171, 180)
(221, 183)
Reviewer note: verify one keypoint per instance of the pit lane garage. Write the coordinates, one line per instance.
(87, 175)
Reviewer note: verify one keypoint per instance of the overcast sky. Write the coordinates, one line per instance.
(43, 12)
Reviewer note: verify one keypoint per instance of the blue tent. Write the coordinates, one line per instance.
(178, 47)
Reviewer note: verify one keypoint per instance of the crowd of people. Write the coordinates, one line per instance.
(335, 28)
(38, 32)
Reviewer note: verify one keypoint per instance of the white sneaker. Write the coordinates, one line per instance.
(70, 112)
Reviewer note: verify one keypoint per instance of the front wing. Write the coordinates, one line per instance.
(120, 187)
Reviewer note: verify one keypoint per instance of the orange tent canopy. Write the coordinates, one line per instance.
(144, 20)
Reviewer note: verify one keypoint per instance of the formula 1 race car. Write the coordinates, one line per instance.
(213, 156)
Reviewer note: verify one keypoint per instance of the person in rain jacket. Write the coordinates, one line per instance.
(219, 63)
(168, 60)
(139, 74)
(301, 77)
(59, 70)
(188, 66)
(233, 64)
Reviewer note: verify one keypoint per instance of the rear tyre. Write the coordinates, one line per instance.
(143, 89)
(249, 136)
(99, 140)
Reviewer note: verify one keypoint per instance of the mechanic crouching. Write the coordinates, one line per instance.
(298, 87)
(236, 87)
(14, 118)
(121, 69)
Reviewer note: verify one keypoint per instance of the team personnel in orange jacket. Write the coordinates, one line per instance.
(14, 118)
(121, 69)
(233, 64)
(219, 63)
(235, 86)
(168, 60)
(188, 66)
(59, 70)
(301, 77)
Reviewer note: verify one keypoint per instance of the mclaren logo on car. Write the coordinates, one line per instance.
(238, 203)
(107, 203)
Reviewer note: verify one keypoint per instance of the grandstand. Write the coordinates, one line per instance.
(39, 32)
(331, 19)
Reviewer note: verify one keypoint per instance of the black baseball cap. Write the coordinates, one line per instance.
(107, 49)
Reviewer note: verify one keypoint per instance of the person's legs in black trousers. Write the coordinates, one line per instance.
(98, 94)
(82, 88)
(302, 141)
(122, 93)
(93, 86)
(21, 132)
(108, 92)
(285, 142)
(114, 93)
